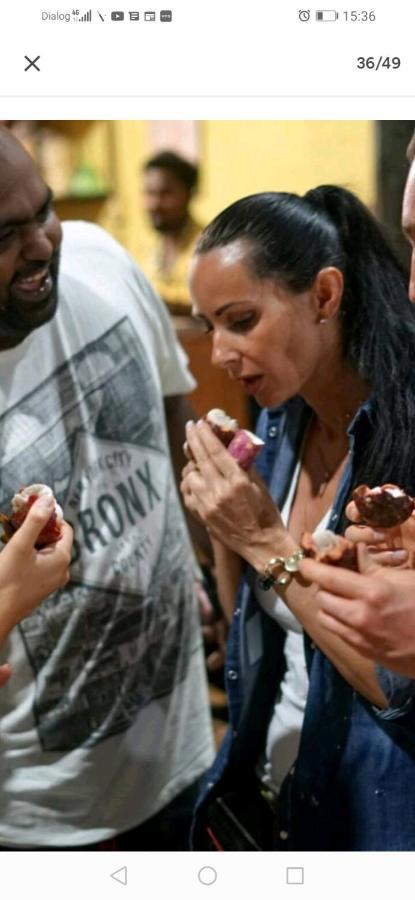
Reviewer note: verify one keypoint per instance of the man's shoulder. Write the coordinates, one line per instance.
(86, 237)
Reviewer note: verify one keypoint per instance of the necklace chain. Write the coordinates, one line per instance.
(328, 472)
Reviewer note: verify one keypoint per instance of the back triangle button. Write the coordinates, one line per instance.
(120, 875)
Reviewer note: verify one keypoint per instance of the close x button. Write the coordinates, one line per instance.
(32, 63)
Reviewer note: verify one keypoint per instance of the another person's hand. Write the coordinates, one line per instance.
(5, 673)
(28, 575)
(392, 547)
(372, 610)
(234, 505)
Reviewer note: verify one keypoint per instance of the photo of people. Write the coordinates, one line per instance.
(207, 344)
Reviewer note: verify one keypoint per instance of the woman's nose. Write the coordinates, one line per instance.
(223, 354)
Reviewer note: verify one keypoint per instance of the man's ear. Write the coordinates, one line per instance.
(328, 290)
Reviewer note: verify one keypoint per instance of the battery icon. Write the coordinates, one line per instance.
(326, 15)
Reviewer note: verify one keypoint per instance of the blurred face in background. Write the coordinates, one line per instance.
(166, 200)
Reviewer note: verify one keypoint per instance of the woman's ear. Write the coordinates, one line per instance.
(327, 293)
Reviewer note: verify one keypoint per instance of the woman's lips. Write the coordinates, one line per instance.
(251, 384)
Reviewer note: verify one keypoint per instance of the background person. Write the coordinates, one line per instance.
(307, 307)
(170, 182)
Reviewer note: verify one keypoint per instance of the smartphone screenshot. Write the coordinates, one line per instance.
(207, 465)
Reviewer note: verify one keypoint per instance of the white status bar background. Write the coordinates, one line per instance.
(221, 48)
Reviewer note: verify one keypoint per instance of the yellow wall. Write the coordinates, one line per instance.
(245, 157)
(237, 158)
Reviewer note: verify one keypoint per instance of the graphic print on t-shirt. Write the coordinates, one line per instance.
(119, 635)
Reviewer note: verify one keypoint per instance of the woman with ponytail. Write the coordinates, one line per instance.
(307, 307)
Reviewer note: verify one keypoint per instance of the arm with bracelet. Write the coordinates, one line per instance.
(238, 510)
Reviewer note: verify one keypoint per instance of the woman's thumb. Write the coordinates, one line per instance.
(36, 519)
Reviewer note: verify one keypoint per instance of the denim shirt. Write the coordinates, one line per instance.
(353, 784)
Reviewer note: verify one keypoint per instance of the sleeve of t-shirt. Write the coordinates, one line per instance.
(171, 359)
(168, 355)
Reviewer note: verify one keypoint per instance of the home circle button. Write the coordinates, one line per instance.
(207, 875)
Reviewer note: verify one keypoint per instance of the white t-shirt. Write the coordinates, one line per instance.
(106, 717)
(284, 731)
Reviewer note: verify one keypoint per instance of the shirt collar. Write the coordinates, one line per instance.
(363, 416)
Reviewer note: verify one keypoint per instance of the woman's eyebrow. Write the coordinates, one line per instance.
(220, 310)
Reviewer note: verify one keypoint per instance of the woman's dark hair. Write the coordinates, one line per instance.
(178, 166)
(290, 239)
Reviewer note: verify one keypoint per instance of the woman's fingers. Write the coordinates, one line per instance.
(66, 541)
(188, 468)
(35, 521)
(208, 451)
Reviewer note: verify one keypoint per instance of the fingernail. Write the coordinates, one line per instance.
(45, 501)
(379, 536)
(400, 555)
(200, 423)
(189, 425)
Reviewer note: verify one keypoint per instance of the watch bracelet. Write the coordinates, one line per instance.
(288, 564)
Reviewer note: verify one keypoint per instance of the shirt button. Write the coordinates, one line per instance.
(272, 431)
(210, 785)
(335, 517)
(237, 612)
(312, 645)
(284, 835)
(232, 674)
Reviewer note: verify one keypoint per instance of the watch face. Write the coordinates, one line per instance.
(291, 564)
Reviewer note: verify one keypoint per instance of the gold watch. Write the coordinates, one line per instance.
(280, 569)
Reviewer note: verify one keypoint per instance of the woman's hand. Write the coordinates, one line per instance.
(234, 505)
(28, 575)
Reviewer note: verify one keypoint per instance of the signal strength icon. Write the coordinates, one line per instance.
(87, 17)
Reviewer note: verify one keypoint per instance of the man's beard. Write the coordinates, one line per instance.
(14, 326)
(164, 227)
